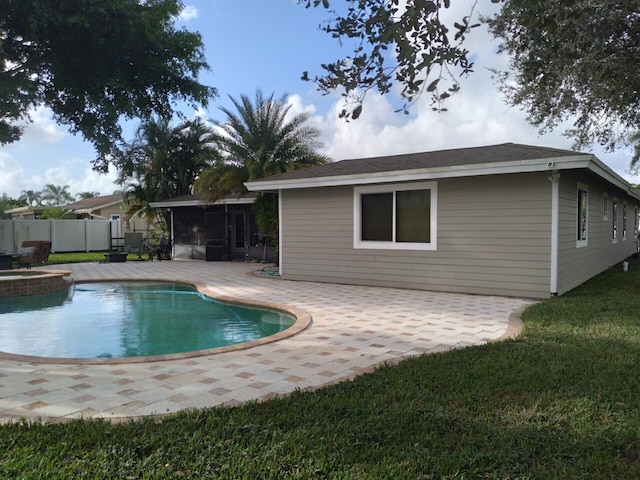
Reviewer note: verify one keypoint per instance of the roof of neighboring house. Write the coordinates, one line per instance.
(199, 201)
(95, 203)
(459, 162)
(25, 209)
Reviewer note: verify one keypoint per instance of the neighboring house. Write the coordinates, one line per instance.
(507, 219)
(223, 230)
(109, 207)
(26, 213)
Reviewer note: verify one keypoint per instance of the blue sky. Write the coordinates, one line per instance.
(267, 44)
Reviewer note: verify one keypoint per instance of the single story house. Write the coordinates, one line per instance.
(223, 230)
(507, 219)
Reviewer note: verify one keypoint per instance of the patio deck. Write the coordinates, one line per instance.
(353, 329)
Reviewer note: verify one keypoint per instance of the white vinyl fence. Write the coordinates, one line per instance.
(65, 235)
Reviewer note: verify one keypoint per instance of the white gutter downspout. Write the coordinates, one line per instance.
(280, 232)
(555, 228)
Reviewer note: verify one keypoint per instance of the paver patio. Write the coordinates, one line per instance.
(352, 330)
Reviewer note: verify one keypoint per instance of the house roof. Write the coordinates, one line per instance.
(199, 201)
(95, 203)
(460, 162)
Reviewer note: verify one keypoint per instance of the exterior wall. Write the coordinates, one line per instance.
(493, 237)
(577, 264)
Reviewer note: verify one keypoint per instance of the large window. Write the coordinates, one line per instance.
(583, 215)
(624, 222)
(400, 216)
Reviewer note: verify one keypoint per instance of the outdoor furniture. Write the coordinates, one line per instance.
(133, 243)
(113, 257)
(6, 260)
(33, 251)
(162, 250)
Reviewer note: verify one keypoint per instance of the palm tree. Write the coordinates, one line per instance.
(257, 140)
(163, 162)
(85, 195)
(30, 197)
(56, 195)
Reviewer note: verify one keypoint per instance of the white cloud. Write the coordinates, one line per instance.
(189, 12)
(42, 129)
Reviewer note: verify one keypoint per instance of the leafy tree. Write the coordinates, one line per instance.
(409, 46)
(7, 203)
(163, 162)
(30, 197)
(574, 61)
(57, 212)
(571, 60)
(94, 62)
(85, 195)
(257, 140)
(56, 195)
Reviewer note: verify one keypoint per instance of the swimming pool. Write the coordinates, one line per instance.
(129, 319)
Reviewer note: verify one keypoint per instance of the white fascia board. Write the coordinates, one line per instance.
(200, 203)
(20, 210)
(612, 177)
(524, 166)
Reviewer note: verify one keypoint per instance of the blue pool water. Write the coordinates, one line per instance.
(128, 319)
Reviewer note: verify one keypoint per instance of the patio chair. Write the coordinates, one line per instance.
(133, 244)
(33, 252)
(162, 250)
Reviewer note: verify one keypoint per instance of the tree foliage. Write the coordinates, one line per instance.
(406, 45)
(571, 60)
(94, 62)
(162, 162)
(259, 139)
(574, 61)
(7, 203)
(56, 195)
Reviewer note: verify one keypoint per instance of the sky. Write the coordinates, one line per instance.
(267, 44)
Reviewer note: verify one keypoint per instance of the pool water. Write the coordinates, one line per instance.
(128, 319)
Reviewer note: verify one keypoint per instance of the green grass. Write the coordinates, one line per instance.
(560, 401)
(77, 257)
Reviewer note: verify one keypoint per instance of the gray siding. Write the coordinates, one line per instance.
(577, 265)
(494, 237)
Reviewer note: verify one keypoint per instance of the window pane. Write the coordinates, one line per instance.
(582, 214)
(413, 216)
(377, 217)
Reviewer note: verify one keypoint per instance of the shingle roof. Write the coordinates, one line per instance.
(95, 202)
(506, 152)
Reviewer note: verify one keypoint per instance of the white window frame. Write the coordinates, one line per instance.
(585, 242)
(625, 219)
(614, 216)
(392, 188)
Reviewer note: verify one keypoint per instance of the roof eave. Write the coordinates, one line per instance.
(494, 168)
(201, 203)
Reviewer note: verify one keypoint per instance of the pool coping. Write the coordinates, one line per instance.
(303, 321)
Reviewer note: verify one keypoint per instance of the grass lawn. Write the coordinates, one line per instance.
(76, 257)
(560, 401)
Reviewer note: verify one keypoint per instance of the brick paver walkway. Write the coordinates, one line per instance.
(352, 329)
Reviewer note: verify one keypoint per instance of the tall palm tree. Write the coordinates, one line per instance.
(162, 162)
(257, 140)
(30, 197)
(56, 195)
